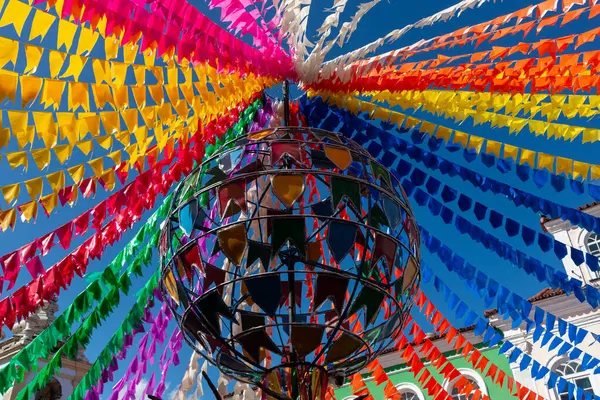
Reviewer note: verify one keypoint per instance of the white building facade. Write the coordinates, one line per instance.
(568, 308)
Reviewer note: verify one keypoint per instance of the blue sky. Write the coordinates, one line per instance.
(384, 17)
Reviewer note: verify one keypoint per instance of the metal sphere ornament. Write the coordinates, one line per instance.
(290, 259)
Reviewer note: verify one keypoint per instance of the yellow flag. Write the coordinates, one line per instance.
(87, 40)
(45, 128)
(475, 143)
(121, 96)
(4, 137)
(17, 159)
(33, 55)
(85, 146)
(97, 165)
(108, 179)
(9, 52)
(25, 138)
(28, 211)
(564, 166)
(92, 122)
(77, 172)
(511, 152)
(110, 121)
(15, 14)
(156, 92)
(76, 64)
(545, 161)
(461, 138)
(34, 187)
(123, 137)
(139, 94)
(49, 202)
(63, 152)
(527, 157)
(115, 156)
(78, 96)
(52, 92)
(66, 34)
(149, 57)
(111, 47)
(56, 60)
(41, 24)
(8, 85)
(493, 147)
(56, 180)
(101, 69)
(30, 88)
(11, 192)
(8, 218)
(104, 141)
(41, 158)
(18, 121)
(102, 95)
(119, 72)
(580, 169)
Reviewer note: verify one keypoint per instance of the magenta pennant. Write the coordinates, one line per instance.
(64, 234)
(35, 267)
(45, 243)
(11, 264)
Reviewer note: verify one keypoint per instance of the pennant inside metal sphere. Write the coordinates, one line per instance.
(285, 321)
(251, 320)
(230, 160)
(233, 241)
(313, 252)
(187, 217)
(213, 275)
(377, 218)
(191, 256)
(232, 198)
(369, 298)
(340, 156)
(260, 134)
(292, 228)
(229, 362)
(216, 175)
(265, 291)
(253, 341)
(256, 251)
(409, 275)
(278, 149)
(171, 285)
(210, 306)
(320, 160)
(288, 187)
(334, 286)
(342, 348)
(391, 326)
(392, 211)
(385, 246)
(192, 323)
(342, 187)
(323, 208)
(285, 292)
(306, 339)
(380, 172)
(341, 238)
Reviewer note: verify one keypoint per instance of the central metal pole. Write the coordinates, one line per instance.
(286, 103)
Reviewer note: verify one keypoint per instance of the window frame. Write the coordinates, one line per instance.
(469, 374)
(558, 361)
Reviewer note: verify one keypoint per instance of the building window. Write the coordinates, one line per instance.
(408, 391)
(592, 245)
(571, 371)
(52, 391)
(473, 378)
